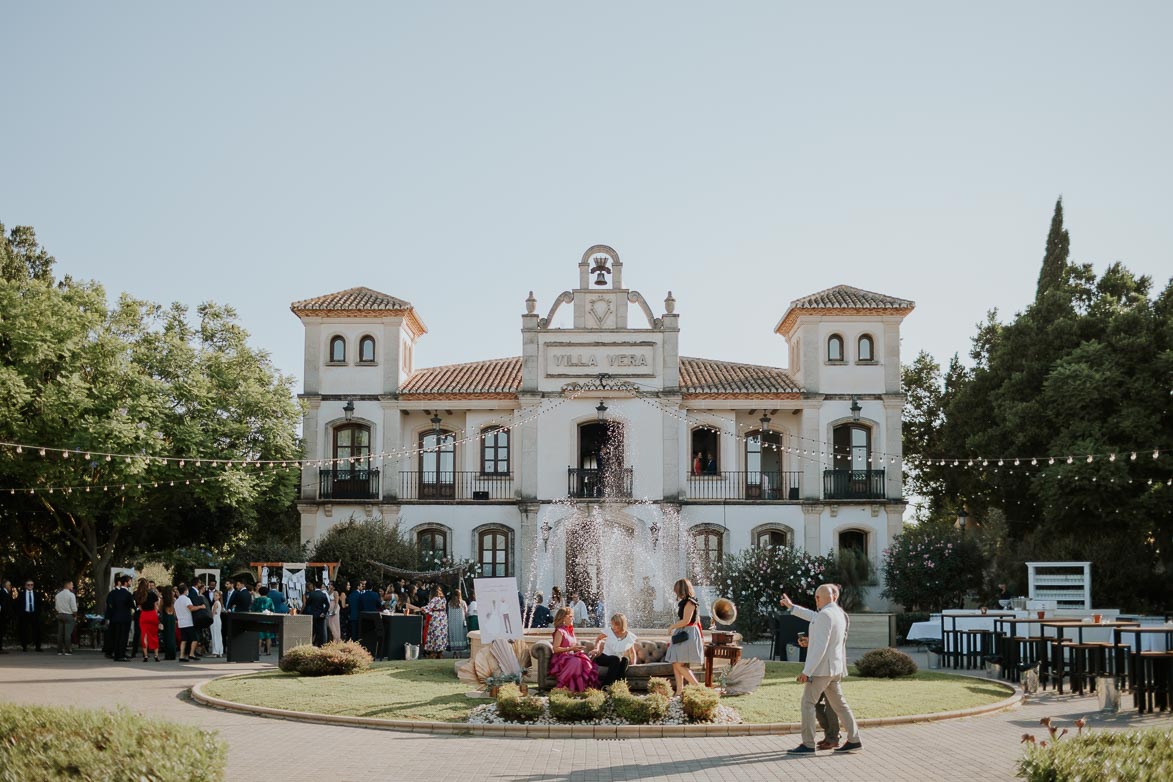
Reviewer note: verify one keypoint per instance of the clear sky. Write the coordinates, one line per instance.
(460, 155)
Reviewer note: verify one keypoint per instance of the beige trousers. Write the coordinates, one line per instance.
(816, 686)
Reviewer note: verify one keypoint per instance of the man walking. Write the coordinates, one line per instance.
(66, 604)
(826, 665)
(28, 616)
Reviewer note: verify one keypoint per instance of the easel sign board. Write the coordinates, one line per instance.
(498, 609)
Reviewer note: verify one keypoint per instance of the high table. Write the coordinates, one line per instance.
(1055, 665)
(386, 635)
(242, 631)
(953, 652)
(1134, 677)
(1006, 630)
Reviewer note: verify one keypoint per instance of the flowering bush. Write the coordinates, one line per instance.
(756, 578)
(929, 568)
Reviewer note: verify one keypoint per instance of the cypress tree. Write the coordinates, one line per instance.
(1055, 257)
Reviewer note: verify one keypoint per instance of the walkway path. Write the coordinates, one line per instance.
(978, 748)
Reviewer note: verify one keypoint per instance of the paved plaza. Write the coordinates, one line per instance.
(978, 748)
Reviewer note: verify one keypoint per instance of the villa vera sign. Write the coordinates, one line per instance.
(577, 360)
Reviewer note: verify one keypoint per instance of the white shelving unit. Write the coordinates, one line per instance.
(1069, 584)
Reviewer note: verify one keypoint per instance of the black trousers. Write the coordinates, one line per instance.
(29, 628)
(121, 636)
(616, 668)
(319, 631)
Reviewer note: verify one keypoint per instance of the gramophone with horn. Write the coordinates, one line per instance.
(725, 613)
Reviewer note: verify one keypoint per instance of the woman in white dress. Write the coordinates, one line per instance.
(217, 634)
(333, 621)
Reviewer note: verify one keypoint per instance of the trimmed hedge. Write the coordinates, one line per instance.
(46, 744)
(700, 703)
(635, 709)
(337, 658)
(1126, 756)
(657, 685)
(515, 707)
(886, 663)
(567, 706)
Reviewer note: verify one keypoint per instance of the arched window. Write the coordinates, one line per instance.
(835, 348)
(338, 350)
(366, 350)
(867, 348)
(854, 539)
(437, 465)
(495, 451)
(433, 544)
(709, 544)
(853, 447)
(493, 553)
(352, 441)
(704, 452)
(771, 535)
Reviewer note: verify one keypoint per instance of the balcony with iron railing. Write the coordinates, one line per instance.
(453, 485)
(853, 485)
(599, 484)
(348, 484)
(748, 485)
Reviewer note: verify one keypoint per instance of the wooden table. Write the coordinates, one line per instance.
(1056, 661)
(730, 652)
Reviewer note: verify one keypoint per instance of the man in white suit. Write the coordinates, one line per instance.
(826, 665)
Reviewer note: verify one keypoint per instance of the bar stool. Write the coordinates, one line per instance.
(1088, 660)
(975, 646)
(1153, 682)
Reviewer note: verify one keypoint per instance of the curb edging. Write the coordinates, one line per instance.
(584, 731)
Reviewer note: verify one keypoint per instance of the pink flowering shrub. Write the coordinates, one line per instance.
(929, 568)
(755, 579)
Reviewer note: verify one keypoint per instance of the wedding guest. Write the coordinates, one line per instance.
(148, 622)
(344, 611)
(280, 602)
(539, 615)
(184, 611)
(260, 605)
(120, 613)
(436, 624)
(170, 631)
(7, 611)
(555, 599)
(571, 668)
(317, 605)
(615, 650)
(352, 601)
(66, 604)
(28, 616)
(217, 625)
(689, 649)
(333, 623)
(579, 610)
(457, 621)
(140, 595)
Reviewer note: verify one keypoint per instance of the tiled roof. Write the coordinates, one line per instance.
(496, 376)
(845, 296)
(707, 376)
(351, 299)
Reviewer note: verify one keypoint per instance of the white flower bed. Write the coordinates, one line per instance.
(487, 715)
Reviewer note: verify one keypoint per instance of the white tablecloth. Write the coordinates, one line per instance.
(925, 631)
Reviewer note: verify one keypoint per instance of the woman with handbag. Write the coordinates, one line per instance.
(687, 647)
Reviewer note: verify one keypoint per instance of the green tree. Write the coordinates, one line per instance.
(355, 543)
(929, 567)
(1055, 256)
(140, 379)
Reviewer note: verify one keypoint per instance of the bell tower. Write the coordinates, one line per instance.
(600, 300)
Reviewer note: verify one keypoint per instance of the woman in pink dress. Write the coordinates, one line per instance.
(570, 666)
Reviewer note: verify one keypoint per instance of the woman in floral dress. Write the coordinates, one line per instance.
(437, 634)
(569, 664)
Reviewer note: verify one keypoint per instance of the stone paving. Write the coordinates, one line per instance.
(976, 748)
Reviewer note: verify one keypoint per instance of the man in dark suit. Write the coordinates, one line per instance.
(317, 605)
(243, 599)
(368, 601)
(119, 613)
(28, 616)
(7, 611)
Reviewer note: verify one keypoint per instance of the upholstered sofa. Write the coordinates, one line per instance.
(649, 656)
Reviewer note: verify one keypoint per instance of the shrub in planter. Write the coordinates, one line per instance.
(567, 706)
(1128, 756)
(333, 659)
(45, 744)
(515, 707)
(700, 703)
(657, 685)
(637, 710)
(885, 663)
(297, 658)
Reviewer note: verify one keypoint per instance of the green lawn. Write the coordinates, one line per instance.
(429, 690)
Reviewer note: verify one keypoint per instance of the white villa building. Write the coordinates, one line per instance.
(483, 461)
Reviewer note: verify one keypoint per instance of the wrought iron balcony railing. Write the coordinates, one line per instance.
(598, 484)
(853, 485)
(454, 485)
(348, 484)
(768, 485)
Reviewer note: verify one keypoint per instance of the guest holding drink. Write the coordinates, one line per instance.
(686, 648)
(570, 667)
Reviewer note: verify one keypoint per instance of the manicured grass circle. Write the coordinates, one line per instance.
(429, 690)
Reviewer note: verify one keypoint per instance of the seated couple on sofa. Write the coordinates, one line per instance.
(576, 670)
